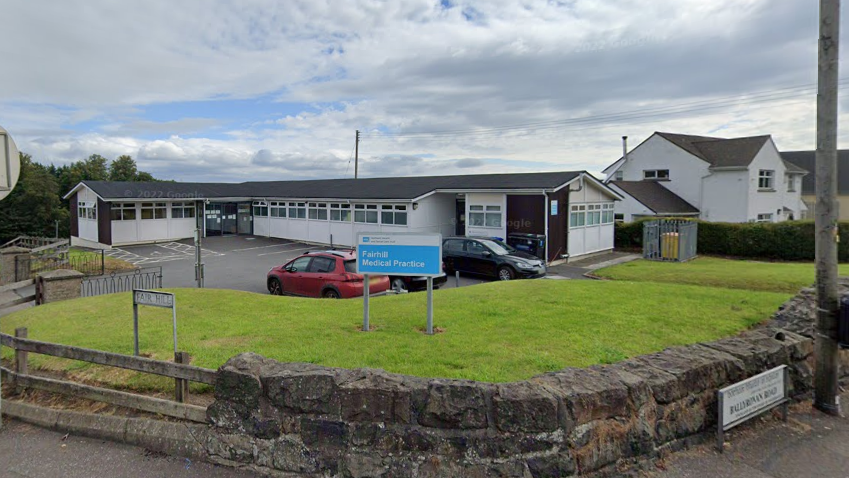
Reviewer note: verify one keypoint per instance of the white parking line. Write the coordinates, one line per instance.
(265, 247)
(290, 250)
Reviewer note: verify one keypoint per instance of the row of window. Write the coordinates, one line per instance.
(87, 210)
(766, 178)
(591, 215)
(392, 214)
(151, 210)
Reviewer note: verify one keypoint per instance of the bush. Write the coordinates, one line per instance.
(787, 241)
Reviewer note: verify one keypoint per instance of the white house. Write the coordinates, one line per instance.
(572, 209)
(715, 179)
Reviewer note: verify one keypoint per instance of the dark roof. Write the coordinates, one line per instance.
(367, 188)
(719, 152)
(656, 197)
(806, 160)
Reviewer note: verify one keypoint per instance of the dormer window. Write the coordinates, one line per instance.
(619, 175)
(656, 174)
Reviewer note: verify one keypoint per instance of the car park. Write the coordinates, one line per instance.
(326, 274)
(414, 283)
(489, 257)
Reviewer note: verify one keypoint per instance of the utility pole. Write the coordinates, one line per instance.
(357, 155)
(826, 391)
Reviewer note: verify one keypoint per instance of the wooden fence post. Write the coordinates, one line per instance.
(181, 386)
(21, 357)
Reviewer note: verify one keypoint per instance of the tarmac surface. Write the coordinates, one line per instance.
(33, 452)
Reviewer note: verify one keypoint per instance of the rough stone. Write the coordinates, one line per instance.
(522, 406)
(237, 380)
(586, 394)
(308, 391)
(549, 466)
(455, 404)
(375, 397)
(324, 433)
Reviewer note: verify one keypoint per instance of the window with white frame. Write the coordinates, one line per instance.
(297, 210)
(791, 183)
(593, 214)
(318, 211)
(578, 216)
(87, 210)
(766, 179)
(182, 210)
(619, 175)
(340, 212)
(656, 174)
(154, 210)
(394, 214)
(365, 213)
(123, 211)
(277, 209)
(607, 216)
(765, 217)
(485, 215)
(260, 209)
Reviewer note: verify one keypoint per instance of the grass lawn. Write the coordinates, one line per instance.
(500, 331)
(787, 277)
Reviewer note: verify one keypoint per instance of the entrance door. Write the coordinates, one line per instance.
(460, 223)
(213, 219)
(245, 220)
(228, 219)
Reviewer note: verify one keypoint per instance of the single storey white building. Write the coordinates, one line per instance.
(572, 209)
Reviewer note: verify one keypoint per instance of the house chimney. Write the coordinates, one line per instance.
(625, 148)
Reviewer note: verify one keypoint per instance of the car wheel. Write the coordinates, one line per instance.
(449, 267)
(330, 294)
(399, 284)
(275, 287)
(506, 273)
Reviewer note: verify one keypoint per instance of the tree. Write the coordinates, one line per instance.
(145, 177)
(123, 169)
(34, 205)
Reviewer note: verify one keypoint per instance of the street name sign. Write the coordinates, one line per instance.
(152, 298)
(751, 397)
(401, 254)
(10, 164)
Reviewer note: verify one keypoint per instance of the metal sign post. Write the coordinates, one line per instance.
(198, 258)
(366, 294)
(154, 299)
(399, 254)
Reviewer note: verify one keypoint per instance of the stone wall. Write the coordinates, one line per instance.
(8, 258)
(61, 284)
(290, 419)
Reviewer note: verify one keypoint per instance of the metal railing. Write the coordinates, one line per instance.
(145, 278)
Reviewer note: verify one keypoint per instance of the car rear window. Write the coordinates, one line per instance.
(351, 266)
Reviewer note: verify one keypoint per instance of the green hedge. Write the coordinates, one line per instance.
(789, 241)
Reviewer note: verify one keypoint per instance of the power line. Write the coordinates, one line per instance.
(774, 95)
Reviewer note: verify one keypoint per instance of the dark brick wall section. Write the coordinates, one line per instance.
(308, 420)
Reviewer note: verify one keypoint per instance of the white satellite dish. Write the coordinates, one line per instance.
(10, 164)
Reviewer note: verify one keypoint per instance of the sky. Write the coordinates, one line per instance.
(252, 90)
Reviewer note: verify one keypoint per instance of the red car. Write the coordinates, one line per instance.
(328, 274)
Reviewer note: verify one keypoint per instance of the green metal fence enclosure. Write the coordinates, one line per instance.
(670, 240)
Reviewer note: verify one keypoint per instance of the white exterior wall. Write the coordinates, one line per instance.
(772, 202)
(588, 239)
(435, 213)
(685, 170)
(87, 227)
(152, 230)
(487, 199)
(725, 196)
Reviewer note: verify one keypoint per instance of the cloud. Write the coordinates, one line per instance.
(160, 80)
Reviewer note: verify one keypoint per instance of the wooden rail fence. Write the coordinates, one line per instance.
(180, 371)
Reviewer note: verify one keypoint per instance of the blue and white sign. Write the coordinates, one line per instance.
(403, 254)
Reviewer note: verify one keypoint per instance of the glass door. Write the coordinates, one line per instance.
(245, 220)
(228, 220)
(212, 216)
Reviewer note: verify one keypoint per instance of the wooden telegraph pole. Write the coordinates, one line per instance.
(826, 391)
